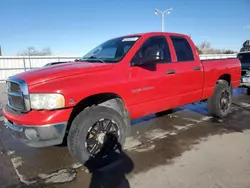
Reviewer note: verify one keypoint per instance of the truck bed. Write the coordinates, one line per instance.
(216, 56)
(214, 68)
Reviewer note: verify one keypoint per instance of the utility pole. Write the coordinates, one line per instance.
(157, 12)
(0, 51)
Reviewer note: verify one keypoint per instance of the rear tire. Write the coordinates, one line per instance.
(219, 104)
(83, 124)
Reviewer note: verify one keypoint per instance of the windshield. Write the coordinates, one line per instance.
(244, 57)
(110, 51)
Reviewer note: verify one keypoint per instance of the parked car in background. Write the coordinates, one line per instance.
(122, 79)
(244, 58)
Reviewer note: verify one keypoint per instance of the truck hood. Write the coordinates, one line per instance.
(62, 70)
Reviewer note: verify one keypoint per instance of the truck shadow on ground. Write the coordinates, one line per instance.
(110, 166)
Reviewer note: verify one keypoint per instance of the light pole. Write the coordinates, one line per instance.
(157, 12)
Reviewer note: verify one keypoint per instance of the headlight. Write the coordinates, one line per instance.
(46, 101)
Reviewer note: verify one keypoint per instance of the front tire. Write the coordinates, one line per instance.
(87, 131)
(219, 104)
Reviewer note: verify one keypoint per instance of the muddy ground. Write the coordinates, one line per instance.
(186, 148)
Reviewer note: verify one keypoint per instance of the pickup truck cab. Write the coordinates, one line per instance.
(124, 78)
(244, 58)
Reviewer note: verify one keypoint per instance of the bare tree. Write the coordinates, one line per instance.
(213, 51)
(198, 50)
(229, 52)
(204, 46)
(31, 51)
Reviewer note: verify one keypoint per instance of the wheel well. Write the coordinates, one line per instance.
(110, 100)
(226, 77)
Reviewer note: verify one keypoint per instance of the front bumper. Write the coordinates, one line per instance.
(38, 128)
(38, 136)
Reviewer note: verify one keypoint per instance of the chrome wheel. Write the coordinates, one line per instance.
(97, 135)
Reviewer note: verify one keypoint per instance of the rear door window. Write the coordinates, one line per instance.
(182, 49)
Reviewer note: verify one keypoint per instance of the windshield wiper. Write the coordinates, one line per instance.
(94, 58)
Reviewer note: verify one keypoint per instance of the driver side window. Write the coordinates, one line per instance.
(152, 43)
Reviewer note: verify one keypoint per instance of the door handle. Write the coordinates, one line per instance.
(197, 68)
(170, 72)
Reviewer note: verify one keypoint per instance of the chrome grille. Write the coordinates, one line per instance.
(18, 97)
(15, 97)
(16, 102)
(14, 87)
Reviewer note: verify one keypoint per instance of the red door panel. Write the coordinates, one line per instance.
(190, 79)
(151, 90)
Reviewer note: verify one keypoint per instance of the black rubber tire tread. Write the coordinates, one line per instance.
(81, 124)
(214, 101)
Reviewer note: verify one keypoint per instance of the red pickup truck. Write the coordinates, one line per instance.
(122, 79)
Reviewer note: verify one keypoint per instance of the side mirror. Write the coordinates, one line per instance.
(150, 56)
(153, 55)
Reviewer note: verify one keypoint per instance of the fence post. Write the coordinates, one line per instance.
(24, 66)
(30, 62)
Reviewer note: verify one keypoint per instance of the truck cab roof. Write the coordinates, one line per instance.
(156, 33)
